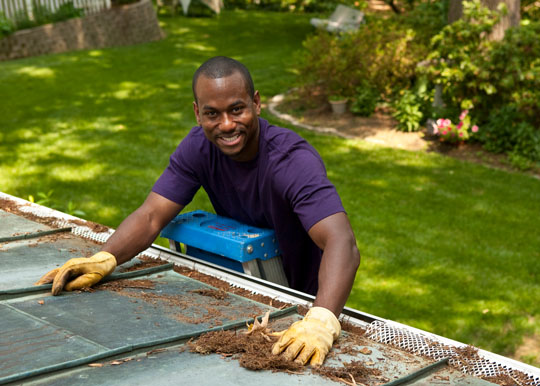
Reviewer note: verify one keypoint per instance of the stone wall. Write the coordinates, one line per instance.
(123, 25)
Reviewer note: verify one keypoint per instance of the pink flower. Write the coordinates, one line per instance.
(436, 130)
(463, 114)
(447, 122)
(444, 132)
(461, 134)
(440, 122)
(474, 129)
(460, 124)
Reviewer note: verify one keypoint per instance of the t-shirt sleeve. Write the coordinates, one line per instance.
(179, 181)
(307, 188)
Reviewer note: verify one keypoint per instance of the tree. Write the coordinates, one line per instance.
(510, 18)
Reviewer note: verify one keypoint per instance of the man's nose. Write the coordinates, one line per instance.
(227, 123)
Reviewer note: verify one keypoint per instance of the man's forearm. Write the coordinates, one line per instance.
(131, 237)
(140, 229)
(336, 274)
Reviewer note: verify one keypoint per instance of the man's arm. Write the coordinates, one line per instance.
(310, 339)
(340, 261)
(135, 234)
(140, 228)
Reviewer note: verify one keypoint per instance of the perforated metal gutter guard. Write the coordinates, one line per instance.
(380, 330)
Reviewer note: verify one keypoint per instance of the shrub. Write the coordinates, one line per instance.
(6, 26)
(43, 15)
(285, 5)
(325, 65)
(381, 53)
(506, 132)
(364, 101)
(66, 11)
(22, 20)
(496, 78)
(408, 111)
(530, 9)
(459, 55)
(514, 67)
(456, 132)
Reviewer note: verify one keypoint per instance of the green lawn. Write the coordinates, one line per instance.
(447, 246)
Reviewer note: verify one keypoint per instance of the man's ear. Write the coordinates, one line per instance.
(196, 111)
(257, 101)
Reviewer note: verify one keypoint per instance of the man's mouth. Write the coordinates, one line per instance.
(229, 140)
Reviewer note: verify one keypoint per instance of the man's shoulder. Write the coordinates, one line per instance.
(273, 133)
(193, 143)
(287, 156)
(283, 141)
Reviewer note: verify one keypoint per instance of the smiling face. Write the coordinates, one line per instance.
(228, 115)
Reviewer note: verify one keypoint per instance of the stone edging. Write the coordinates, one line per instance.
(274, 102)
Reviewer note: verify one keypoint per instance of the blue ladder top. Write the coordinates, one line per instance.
(222, 236)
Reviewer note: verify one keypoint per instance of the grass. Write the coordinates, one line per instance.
(447, 246)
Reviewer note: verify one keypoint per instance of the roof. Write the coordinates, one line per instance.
(135, 327)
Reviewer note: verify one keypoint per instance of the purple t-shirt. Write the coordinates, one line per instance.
(284, 188)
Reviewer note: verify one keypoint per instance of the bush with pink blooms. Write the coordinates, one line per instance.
(455, 132)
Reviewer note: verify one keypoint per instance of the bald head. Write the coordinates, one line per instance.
(221, 67)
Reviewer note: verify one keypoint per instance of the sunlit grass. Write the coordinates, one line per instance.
(447, 246)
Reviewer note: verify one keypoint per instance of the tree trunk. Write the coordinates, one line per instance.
(511, 19)
(455, 10)
(393, 6)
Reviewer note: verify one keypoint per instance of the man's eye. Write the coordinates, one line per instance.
(210, 113)
(237, 109)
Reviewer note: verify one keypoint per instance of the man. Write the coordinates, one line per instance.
(258, 174)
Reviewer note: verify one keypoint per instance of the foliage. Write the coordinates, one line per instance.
(46, 199)
(325, 64)
(66, 11)
(530, 10)
(514, 68)
(490, 76)
(455, 133)
(364, 101)
(336, 98)
(507, 132)
(408, 111)
(21, 20)
(122, 2)
(6, 26)
(287, 5)
(426, 19)
(459, 55)
(381, 53)
(44, 15)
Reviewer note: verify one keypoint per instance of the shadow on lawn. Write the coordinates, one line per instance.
(446, 245)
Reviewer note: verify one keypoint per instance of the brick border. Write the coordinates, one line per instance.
(118, 26)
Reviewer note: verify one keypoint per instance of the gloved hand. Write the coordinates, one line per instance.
(88, 271)
(309, 339)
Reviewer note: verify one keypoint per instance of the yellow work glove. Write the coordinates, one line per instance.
(86, 270)
(309, 339)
